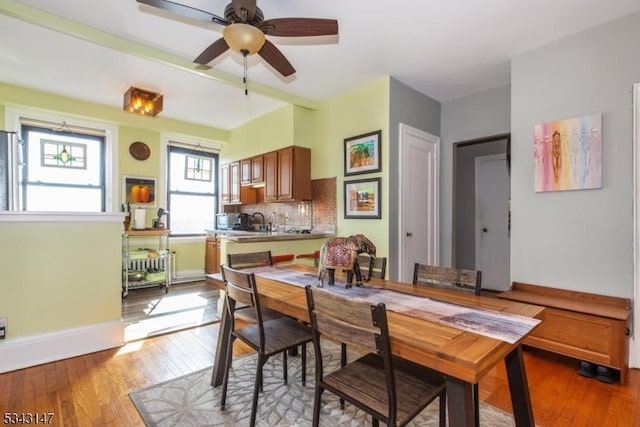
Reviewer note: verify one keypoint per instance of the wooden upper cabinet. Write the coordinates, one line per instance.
(251, 170)
(234, 182)
(287, 174)
(257, 175)
(225, 195)
(245, 172)
(231, 192)
(271, 176)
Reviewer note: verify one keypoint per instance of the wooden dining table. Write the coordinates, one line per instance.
(463, 357)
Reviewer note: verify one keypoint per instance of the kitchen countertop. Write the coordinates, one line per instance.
(265, 236)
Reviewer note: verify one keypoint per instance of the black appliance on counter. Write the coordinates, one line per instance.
(243, 222)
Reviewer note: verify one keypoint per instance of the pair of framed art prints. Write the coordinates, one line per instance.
(362, 196)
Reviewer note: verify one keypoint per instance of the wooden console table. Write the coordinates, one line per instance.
(589, 327)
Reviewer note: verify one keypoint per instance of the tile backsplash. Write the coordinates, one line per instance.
(323, 194)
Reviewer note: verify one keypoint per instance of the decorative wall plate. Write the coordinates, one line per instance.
(139, 150)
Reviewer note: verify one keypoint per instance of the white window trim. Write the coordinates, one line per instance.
(185, 141)
(12, 117)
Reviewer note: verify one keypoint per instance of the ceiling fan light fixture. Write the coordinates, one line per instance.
(243, 37)
(142, 101)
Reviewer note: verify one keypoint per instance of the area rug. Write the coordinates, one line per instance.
(191, 401)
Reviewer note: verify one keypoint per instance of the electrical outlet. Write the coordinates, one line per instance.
(3, 327)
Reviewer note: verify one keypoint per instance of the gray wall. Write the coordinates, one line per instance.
(410, 107)
(475, 116)
(578, 240)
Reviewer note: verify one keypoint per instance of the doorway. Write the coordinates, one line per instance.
(481, 193)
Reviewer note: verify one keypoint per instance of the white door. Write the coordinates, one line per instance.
(492, 221)
(419, 229)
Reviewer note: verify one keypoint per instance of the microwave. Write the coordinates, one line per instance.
(225, 221)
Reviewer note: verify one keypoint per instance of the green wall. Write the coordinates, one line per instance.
(266, 133)
(59, 275)
(131, 128)
(362, 110)
(63, 286)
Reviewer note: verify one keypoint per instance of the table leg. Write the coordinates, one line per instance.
(519, 388)
(460, 403)
(222, 347)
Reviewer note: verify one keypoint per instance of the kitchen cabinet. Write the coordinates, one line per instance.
(251, 171)
(287, 174)
(257, 176)
(245, 172)
(231, 192)
(225, 195)
(234, 182)
(212, 255)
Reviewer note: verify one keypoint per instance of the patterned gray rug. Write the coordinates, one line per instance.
(191, 401)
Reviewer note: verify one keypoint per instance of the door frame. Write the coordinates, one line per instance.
(402, 130)
(454, 180)
(634, 345)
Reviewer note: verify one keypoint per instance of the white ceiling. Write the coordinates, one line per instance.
(443, 48)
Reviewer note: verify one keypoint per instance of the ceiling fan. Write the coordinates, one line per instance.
(245, 30)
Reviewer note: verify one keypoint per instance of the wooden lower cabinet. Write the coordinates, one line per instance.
(212, 255)
(589, 327)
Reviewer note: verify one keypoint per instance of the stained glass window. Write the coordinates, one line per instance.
(198, 168)
(63, 154)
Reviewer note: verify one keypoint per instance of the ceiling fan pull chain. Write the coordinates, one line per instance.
(244, 78)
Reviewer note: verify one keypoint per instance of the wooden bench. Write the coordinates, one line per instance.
(589, 327)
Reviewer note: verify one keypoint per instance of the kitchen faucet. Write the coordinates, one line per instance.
(262, 227)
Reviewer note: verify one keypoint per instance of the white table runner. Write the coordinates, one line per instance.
(493, 324)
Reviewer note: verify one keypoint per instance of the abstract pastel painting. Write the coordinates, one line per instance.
(568, 154)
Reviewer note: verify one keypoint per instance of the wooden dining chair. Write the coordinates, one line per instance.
(249, 260)
(391, 389)
(245, 260)
(447, 277)
(458, 280)
(266, 337)
(372, 267)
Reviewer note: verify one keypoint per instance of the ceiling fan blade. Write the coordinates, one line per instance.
(276, 59)
(248, 5)
(214, 50)
(299, 27)
(185, 11)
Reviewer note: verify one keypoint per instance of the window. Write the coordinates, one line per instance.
(192, 189)
(62, 170)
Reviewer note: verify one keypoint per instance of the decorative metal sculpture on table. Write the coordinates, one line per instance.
(342, 253)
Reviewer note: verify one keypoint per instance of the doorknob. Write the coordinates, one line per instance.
(409, 234)
(485, 229)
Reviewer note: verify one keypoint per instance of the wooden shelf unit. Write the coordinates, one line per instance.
(590, 327)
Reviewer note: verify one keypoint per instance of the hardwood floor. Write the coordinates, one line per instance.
(151, 311)
(93, 389)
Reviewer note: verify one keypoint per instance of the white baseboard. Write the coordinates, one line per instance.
(188, 276)
(34, 350)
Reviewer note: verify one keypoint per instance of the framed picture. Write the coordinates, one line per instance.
(568, 154)
(362, 198)
(362, 154)
(139, 191)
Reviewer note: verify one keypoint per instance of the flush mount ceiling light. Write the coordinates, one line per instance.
(142, 101)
